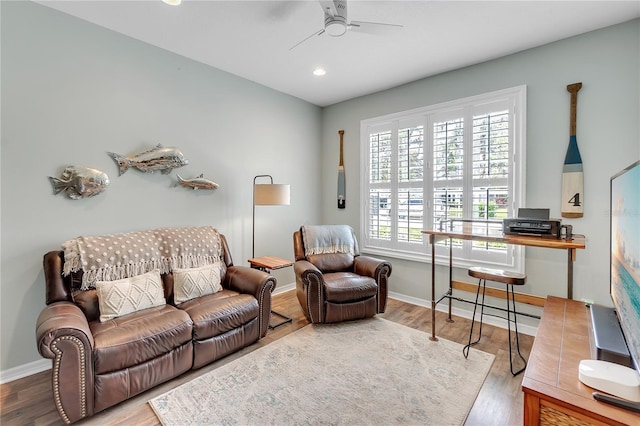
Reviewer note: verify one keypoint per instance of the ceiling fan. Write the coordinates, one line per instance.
(336, 23)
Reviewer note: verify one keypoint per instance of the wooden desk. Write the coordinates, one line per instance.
(553, 394)
(578, 242)
(268, 264)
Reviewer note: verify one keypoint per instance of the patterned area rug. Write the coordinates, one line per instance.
(372, 371)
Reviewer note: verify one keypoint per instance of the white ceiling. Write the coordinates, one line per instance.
(252, 38)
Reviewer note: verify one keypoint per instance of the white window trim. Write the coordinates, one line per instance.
(518, 102)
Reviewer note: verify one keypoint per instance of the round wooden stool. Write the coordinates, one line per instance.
(510, 279)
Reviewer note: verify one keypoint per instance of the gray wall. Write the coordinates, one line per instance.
(72, 91)
(607, 63)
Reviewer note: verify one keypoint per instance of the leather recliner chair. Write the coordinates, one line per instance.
(338, 286)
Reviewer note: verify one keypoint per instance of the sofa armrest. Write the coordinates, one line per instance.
(378, 269)
(63, 334)
(310, 289)
(257, 283)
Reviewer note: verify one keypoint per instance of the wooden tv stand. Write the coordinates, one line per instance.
(553, 394)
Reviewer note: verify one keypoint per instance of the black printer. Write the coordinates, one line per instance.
(532, 222)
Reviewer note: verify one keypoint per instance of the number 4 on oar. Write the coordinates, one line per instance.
(572, 176)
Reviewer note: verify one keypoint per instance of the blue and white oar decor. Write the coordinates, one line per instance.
(572, 176)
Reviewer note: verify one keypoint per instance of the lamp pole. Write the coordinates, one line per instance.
(253, 234)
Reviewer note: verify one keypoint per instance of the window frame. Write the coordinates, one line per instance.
(515, 99)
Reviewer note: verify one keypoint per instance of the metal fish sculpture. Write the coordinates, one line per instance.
(157, 158)
(80, 182)
(197, 183)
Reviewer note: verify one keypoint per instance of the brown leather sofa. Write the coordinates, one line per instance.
(97, 365)
(336, 287)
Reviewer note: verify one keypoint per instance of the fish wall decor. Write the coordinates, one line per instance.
(197, 183)
(156, 158)
(80, 182)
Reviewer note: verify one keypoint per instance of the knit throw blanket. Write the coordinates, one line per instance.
(326, 239)
(113, 257)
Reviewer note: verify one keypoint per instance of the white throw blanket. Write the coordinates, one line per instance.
(325, 239)
(113, 257)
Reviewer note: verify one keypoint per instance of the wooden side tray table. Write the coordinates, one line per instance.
(268, 264)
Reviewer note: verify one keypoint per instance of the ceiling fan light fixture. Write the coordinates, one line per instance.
(335, 26)
(172, 2)
(336, 23)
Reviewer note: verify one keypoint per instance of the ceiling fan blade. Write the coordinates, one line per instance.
(317, 33)
(365, 23)
(374, 28)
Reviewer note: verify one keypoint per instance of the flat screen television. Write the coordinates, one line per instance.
(625, 255)
(617, 330)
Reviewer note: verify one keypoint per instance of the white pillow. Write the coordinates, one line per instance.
(195, 282)
(121, 297)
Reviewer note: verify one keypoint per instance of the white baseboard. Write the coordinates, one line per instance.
(34, 367)
(284, 288)
(443, 307)
(24, 370)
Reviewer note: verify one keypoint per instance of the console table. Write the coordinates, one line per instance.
(570, 245)
(268, 264)
(553, 394)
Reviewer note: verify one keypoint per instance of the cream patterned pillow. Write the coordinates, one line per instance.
(121, 297)
(195, 282)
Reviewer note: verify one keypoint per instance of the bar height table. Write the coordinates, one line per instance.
(571, 245)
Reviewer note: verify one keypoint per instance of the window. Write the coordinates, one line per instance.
(458, 164)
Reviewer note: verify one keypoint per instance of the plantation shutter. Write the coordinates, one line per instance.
(454, 161)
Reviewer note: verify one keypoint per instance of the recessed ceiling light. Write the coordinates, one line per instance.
(319, 71)
(172, 2)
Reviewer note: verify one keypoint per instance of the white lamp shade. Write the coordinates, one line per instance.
(271, 194)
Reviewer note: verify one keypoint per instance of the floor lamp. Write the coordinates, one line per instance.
(269, 194)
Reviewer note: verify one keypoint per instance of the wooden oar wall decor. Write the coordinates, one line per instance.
(342, 195)
(572, 175)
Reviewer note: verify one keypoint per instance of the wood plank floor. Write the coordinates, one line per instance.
(29, 401)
